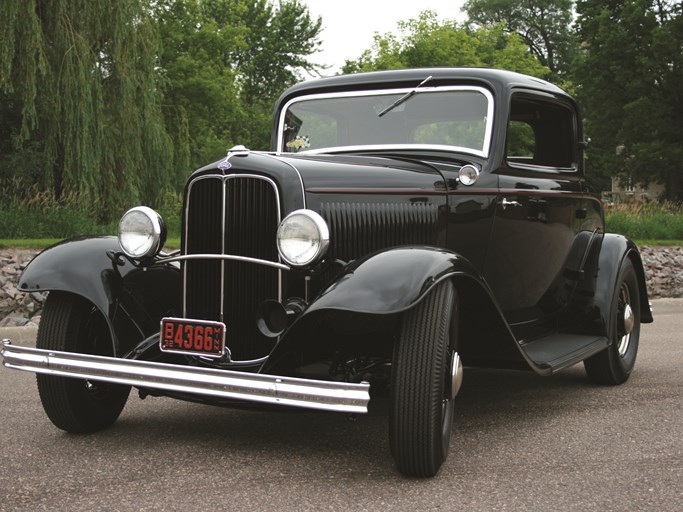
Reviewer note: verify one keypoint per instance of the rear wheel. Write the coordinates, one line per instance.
(70, 323)
(426, 375)
(614, 364)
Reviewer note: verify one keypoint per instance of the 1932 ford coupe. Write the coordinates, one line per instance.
(404, 224)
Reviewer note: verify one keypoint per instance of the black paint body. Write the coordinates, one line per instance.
(525, 246)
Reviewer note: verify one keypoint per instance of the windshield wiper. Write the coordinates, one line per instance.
(404, 97)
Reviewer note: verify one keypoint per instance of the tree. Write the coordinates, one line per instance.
(426, 41)
(630, 75)
(225, 62)
(80, 95)
(544, 25)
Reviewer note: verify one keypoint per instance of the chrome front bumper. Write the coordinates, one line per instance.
(252, 387)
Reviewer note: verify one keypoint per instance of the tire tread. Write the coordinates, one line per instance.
(416, 423)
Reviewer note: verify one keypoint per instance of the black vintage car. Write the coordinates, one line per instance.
(404, 224)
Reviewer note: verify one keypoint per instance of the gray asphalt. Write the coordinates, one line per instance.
(520, 442)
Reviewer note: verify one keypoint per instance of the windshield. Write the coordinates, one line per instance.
(447, 118)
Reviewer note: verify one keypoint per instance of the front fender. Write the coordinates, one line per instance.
(360, 312)
(391, 281)
(79, 266)
(131, 299)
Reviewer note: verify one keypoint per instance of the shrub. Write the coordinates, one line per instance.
(643, 221)
(34, 214)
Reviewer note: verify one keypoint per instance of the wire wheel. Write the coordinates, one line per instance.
(614, 364)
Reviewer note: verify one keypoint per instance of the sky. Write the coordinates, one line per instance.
(349, 25)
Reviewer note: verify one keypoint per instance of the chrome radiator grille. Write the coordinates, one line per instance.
(234, 215)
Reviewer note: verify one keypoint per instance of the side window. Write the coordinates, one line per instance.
(541, 133)
(521, 144)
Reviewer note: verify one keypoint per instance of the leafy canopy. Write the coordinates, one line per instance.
(545, 26)
(631, 73)
(427, 41)
(226, 61)
(81, 105)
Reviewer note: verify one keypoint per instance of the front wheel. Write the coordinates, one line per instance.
(614, 364)
(69, 323)
(426, 375)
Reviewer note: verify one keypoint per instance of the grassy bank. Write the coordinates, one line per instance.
(652, 221)
(42, 220)
(40, 225)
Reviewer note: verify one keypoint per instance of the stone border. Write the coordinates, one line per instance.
(663, 267)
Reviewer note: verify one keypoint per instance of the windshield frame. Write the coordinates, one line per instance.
(488, 131)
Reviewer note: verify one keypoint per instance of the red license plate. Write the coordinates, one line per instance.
(198, 337)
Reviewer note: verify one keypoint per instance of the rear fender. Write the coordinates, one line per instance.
(615, 250)
(591, 309)
(131, 299)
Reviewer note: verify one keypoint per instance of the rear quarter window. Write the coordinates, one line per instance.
(541, 133)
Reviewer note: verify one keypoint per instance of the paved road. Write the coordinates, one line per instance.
(521, 442)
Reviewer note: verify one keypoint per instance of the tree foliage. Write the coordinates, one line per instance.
(80, 102)
(110, 104)
(545, 26)
(630, 74)
(426, 41)
(226, 61)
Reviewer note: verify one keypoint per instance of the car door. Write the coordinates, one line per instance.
(544, 219)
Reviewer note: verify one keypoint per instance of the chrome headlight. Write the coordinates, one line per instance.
(142, 232)
(468, 175)
(302, 238)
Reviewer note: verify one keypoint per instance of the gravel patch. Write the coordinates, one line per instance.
(663, 269)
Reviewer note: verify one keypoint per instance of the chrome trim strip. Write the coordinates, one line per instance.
(223, 195)
(252, 387)
(303, 198)
(423, 90)
(296, 170)
(389, 147)
(246, 259)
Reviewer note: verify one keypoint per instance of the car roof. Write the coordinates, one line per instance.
(496, 79)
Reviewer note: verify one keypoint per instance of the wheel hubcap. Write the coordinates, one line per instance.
(456, 375)
(626, 319)
(629, 319)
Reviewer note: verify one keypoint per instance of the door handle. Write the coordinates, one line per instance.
(507, 203)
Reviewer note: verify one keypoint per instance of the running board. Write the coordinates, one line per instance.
(558, 351)
(253, 387)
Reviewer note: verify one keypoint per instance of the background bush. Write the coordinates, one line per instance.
(646, 221)
(37, 214)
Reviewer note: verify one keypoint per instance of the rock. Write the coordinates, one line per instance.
(13, 321)
(663, 272)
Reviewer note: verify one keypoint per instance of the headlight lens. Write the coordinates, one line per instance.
(302, 238)
(142, 232)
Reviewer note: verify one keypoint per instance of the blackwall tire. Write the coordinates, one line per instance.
(71, 324)
(421, 415)
(614, 365)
